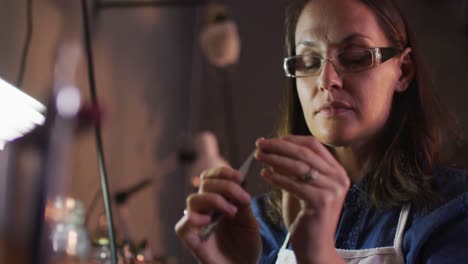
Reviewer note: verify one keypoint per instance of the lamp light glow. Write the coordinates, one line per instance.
(19, 113)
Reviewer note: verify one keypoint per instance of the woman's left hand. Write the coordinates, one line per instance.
(314, 187)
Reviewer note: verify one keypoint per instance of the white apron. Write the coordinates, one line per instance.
(382, 255)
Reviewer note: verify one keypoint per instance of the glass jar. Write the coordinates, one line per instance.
(68, 237)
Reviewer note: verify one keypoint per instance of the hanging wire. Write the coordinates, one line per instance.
(27, 43)
(99, 145)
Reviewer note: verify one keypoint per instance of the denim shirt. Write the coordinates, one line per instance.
(437, 235)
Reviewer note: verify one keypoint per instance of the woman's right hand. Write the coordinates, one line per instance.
(236, 239)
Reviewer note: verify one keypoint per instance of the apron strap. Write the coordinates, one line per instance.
(286, 242)
(397, 243)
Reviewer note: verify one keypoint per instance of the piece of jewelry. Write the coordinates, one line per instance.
(185, 212)
(311, 175)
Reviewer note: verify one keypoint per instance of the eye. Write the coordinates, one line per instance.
(308, 62)
(355, 59)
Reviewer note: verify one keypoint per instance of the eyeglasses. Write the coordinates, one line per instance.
(349, 60)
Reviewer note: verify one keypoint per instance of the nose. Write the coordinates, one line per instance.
(328, 78)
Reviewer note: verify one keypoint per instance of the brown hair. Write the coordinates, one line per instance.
(402, 173)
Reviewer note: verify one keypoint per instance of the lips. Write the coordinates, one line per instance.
(334, 107)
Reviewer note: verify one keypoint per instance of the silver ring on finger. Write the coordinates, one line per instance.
(310, 176)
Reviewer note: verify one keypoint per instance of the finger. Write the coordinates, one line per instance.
(284, 165)
(222, 173)
(192, 220)
(320, 181)
(293, 151)
(230, 190)
(208, 203)
(313, 196)
(312, 143)
(187, 228)
(298, 168)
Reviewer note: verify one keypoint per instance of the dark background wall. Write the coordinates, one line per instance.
(156, 87)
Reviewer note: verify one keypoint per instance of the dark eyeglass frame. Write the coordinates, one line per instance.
(379, 56)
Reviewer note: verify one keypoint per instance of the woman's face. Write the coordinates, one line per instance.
(359, 103)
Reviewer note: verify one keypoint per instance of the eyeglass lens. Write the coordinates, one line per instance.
(345, 61)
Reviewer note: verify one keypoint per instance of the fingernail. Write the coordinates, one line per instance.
(258, 140)
(246, 197)
(232, 209)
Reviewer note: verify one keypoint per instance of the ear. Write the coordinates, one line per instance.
(407, 70)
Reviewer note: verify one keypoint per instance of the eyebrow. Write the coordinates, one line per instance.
(351, 37)
(306, 43)
(354, 36)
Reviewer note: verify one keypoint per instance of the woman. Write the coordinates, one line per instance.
(355, 170)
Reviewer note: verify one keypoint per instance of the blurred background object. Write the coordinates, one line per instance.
(36, 225)
(67, 234)
(19, 113)
(219, 39)
(158, 85)
(208, 156)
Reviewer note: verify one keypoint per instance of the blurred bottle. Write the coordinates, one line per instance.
(100, 251)
(68, 238)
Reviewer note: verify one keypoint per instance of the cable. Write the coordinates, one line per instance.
(92, 205)
(97, 129)
(24, 54)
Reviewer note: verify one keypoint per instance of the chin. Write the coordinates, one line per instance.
(334, 142)
(334, 137)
